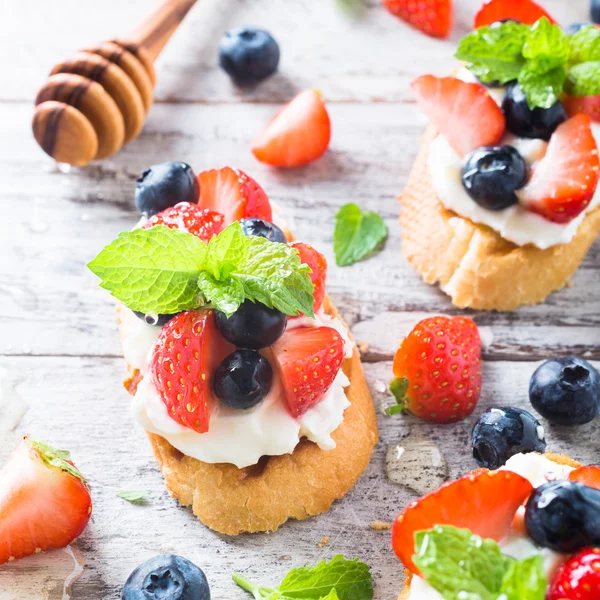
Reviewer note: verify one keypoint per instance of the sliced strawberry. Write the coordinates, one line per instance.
(564, 181)
(234, 194)
(485, 503)
(590, 105)
(432, 17)
(464, 113)
(318, 263)
(184, 358)
(201, 222)
(309, 359)
(589, 476)
(524, 11)
(298, 134)
(44, 501)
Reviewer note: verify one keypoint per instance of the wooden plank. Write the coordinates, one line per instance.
(79, 403)
(369, 59)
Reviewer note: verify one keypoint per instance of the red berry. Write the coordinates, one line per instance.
(318, 263)
(485, 503)
(589, 476)
(440, 360)
(189, 217)
(309, 360)
(524, 11)
(590, 105)
(184, 359)
(42, 505)
(234, 194)
(298, 134)
(564, 181)
(578, 578)
(433, 17)
(464, 113)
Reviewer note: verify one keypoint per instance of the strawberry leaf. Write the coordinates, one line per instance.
(398, 387)
(54, 457)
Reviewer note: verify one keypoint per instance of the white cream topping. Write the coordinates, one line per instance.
(515, 223)
(538, 469)
(239, 437)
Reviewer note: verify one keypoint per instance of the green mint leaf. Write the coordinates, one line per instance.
(542, 90)
(225, 296)
(584, 45)
(134, 496)
(333, 595)
(494, 53)
(584, 79)
(546, 47)
(398, 387)
(152, 270)
(56, 458)
(460, 565)
(525, 580)
(357, 234)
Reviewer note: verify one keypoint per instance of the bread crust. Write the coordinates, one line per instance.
(472, 263)
(561, 459)
(292, 486)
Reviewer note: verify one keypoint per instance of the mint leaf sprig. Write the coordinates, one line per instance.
(461, 565)
(338, 579)
(163, 270)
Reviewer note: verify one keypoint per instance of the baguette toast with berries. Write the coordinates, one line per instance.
(501, 206)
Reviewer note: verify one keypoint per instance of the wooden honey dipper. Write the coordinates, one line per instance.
(95, 102)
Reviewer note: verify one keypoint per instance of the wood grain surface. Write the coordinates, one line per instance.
(60, 361)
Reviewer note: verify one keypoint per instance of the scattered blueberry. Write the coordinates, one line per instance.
(252, 325)
(164, 185)
(243, 379)
(262, 228)
(166, 577)
(525, 122)
(248, 55)
(595, 11)
(564, 516)
(503, 432)
(151, 319)
(492, 174)
(566, 391)
(575, 27)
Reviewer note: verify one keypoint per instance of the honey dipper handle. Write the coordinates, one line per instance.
(156, 30)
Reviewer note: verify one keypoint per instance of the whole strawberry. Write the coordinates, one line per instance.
(578, 578)
(438, 370)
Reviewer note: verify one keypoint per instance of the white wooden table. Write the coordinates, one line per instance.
(61, 365)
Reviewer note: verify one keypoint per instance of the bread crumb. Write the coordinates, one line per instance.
(362, 347)
(569, 284)
(324, 541)
(380, 525)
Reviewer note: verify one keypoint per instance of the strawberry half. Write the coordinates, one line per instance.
(44, 501)
(589, 476)
(438, 369)
(184, 359)
(564, 181)
(318, 263)
(432, 17)
(590, 105)
(202, 222)
(309, 359)
(298, 134)
(524, 11)
(485, 503)
(578, 578)
(464, 113)
(234, 194)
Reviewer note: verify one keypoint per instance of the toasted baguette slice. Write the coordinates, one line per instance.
(292, 486)
(561, 459)
(472, 263)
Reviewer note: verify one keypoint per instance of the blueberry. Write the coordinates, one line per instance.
(595, 11)
(566, 391)
(262, 228)
(252, 325)
(151, 319)
(575, 27)
(564, 516)
(243, 379)
(530, 123)
(166, 577)
(162, 186)
(492, 174)
(248, 55)
(503, 432)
